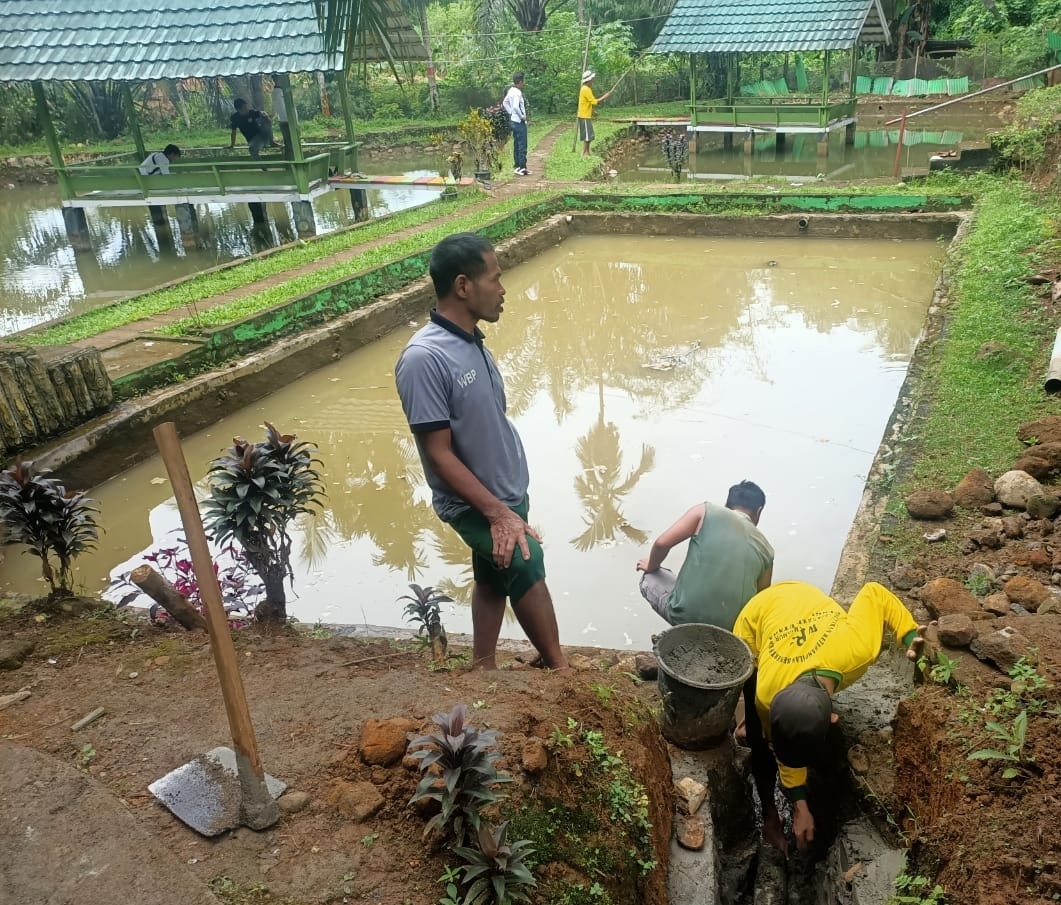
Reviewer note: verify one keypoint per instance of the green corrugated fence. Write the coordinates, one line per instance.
(911, 87)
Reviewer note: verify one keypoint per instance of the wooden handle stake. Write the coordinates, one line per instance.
(259, 810)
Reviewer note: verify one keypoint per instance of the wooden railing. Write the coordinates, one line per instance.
(208, 172)
(770, 111)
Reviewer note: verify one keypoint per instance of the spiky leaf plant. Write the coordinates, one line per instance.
(423, 609)
(496, 871)
(38, 511)
(256, 492)
(465, 756)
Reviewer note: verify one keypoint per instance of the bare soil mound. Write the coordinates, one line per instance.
(591, 784)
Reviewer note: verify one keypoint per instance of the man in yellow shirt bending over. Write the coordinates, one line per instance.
(586, 103)
(806, 648)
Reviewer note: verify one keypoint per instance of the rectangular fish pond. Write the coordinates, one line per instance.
(645, 371)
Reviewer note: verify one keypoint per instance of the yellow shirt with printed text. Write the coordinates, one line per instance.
(586, 102)
(793, 628)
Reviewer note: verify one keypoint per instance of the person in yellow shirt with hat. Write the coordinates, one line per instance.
(586, 102)
(806, 648)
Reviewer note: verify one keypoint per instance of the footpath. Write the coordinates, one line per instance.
(144, 353)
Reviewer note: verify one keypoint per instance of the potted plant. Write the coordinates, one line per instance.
(478, 134)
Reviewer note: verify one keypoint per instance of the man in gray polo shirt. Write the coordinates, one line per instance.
(454, 400)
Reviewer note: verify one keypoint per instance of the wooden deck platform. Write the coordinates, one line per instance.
(361, 181)
(205, 175)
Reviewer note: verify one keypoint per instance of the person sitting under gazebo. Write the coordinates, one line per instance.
(157, 163)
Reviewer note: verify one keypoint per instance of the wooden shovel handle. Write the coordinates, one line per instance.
(239, 718)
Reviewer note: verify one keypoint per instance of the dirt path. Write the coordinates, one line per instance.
(509, 188)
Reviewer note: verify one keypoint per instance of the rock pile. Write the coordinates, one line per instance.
(1010, 560)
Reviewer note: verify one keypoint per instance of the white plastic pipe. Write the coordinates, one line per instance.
(1053, 371)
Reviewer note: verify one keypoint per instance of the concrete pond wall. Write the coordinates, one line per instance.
(247, 360)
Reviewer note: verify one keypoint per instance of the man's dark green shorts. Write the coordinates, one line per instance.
(521, 575)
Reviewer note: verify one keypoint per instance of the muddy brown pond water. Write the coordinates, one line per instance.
(644, 375)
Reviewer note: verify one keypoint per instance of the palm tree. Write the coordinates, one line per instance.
(367, 30)
(601, 485)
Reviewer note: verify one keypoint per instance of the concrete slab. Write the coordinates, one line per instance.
(66, 839)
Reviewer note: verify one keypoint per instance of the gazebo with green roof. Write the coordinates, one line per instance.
(736, 29)
(136, 41)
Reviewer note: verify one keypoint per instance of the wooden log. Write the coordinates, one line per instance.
(63, 395)
(31, 396)
(162, 592)
(47, 411)
(18, 418)
(68, 367)
(100, 388)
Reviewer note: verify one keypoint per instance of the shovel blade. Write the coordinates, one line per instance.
(205, 793)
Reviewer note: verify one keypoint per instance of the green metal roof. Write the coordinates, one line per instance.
(140, 40)
(758, 26)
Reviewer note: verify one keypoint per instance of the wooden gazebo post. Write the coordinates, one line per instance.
(134, 121)
(302, 210)
(823, 116)
(849, 131)
(73, 217)
(358, 197)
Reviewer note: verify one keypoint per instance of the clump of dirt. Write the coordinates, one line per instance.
(591, 781)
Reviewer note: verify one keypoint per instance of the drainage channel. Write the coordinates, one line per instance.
(850, 862)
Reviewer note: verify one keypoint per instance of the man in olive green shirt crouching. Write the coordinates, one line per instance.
(728, 562)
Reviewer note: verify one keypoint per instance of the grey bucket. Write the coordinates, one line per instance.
(702, 669)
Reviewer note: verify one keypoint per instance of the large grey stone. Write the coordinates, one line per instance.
(1015, 488)
(1003, 648)
(1044, 505)
(956, 630)
(906, 577)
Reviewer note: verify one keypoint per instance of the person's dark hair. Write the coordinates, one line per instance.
(746, 495)
(171, 151)
(239, 102)
(517, 77)
(457, 254)
(800, 717)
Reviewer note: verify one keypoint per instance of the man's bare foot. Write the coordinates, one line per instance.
(774, 833)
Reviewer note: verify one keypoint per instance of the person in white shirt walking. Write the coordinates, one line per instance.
(516, 107)
(157, 164)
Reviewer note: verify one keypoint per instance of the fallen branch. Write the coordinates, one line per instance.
(163, 593)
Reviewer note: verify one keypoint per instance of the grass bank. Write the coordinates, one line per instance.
(985, 375)
(248, 305)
